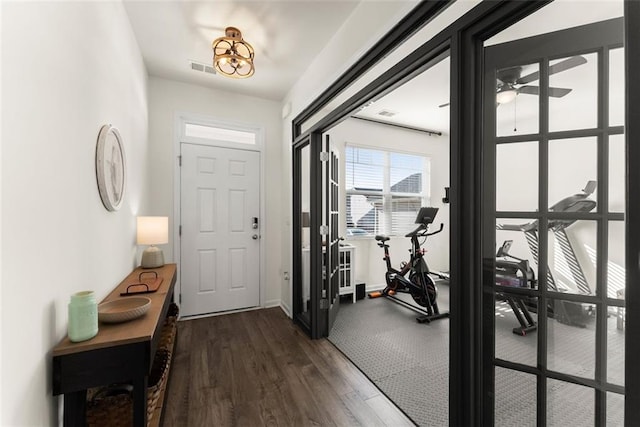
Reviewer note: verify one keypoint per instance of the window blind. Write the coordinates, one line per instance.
(384, 190)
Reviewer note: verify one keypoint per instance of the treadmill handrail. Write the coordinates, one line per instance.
(529, 226)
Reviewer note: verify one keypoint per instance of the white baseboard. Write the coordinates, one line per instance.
(286, 309)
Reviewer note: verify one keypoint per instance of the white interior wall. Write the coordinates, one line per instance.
(166, 98)
(370, 268)
(67, 69)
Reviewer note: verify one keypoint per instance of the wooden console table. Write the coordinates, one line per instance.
(121, 352)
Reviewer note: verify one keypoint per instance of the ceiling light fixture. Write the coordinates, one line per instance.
(506, 94)
(232, 56)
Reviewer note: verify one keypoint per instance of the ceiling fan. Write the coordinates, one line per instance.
(510, 81)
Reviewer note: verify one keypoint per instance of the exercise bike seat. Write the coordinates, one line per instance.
(382, 238)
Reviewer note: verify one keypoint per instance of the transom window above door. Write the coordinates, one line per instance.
(204, 130)
(384, 190)
(215, 133)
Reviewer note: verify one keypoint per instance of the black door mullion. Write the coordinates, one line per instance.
(488, 247)
(318, 315)
(543, 241)
(602, 241)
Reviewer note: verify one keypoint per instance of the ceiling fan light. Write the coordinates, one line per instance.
(505, 96)
(232, 56)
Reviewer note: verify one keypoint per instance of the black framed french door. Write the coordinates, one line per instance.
(315, 243)
(331, 235)
(554, 227)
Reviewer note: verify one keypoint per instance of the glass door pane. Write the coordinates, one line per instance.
(573, 83)
(515, 398)
(569, 404)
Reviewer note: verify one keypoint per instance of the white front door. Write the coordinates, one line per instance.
(220, 244)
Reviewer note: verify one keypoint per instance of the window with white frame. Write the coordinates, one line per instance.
(384, 190)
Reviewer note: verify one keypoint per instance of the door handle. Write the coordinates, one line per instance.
(254, 237)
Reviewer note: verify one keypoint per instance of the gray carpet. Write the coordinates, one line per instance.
(409, 362)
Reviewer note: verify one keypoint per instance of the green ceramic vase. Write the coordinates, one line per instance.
(83, 316)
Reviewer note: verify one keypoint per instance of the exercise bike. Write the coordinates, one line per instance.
(419, 283)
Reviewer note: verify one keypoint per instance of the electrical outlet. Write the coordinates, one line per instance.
(286, 275)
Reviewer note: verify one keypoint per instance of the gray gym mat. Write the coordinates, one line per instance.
(409, 362)
(406, 360)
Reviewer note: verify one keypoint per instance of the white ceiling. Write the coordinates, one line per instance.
(286, 36)
(416, 102)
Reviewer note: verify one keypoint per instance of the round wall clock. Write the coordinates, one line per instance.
(110, 167)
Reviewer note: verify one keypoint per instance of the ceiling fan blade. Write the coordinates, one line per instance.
(529, 90)
(568, 63)
(529, 78)
(556, 92)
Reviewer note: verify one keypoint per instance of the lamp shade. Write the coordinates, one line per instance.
(506, 94)
(153, 230)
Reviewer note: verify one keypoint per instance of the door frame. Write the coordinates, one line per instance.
(465, 38)
(180, 120)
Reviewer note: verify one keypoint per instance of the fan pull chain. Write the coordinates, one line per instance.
(515, 103)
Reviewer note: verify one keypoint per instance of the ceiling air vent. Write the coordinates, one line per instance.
(387, 113)
(199, 66)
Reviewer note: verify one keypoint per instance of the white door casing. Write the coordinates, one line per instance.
(220, 249)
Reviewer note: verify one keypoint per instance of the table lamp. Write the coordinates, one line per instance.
(152, 230)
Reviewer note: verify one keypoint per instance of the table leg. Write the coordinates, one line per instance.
(75, 409)
(140, 401)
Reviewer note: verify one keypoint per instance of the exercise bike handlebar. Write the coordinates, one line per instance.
(436, 232)
(421, 231)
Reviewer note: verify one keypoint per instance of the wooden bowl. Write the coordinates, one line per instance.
(123, 310)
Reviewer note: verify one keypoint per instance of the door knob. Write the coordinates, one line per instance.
(254, 237)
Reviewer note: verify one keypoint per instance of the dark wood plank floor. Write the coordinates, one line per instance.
(258, 369)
